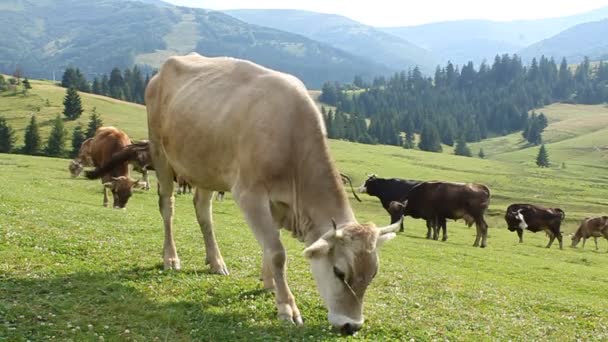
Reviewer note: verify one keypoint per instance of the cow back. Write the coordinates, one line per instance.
(106, 142)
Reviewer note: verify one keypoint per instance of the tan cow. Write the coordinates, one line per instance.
(591, 227)
(83, 159)
(231, 125)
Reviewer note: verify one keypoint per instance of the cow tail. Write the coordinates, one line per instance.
(351, 186)
(118, 158)
(487, 201)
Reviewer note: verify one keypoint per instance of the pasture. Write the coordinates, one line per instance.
(73, 270)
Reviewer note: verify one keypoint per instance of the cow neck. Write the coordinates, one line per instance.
(318, 186)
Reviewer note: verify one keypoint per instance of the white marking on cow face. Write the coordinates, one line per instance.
(522, 221)
(362, 189)
(343, 263)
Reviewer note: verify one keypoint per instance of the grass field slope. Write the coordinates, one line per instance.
(73, 270)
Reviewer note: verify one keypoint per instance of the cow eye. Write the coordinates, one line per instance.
(339, 274)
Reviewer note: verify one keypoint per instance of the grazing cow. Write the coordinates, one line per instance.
(219, 196)
(231, 125)
(437, 201)
(107, 142)
(535, 219)
(83, 159)
(137, 154)
(389, 190)
(591, 227)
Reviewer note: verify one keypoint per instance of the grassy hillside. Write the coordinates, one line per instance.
(577, 135)
(74, 270)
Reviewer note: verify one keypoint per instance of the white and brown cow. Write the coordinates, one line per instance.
(83, 159)
(591, 227)
(231, 125)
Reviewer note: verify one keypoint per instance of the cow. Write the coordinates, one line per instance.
(232, 125)
(107, 142)
(437, 201)
(83, 159)
(389, 190)
(219, 196)
(136, 154)
(535, 219)
(591, 227)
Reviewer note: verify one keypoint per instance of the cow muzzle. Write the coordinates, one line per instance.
(345, 325)
(362, 189)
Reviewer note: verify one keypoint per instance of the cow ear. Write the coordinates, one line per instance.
(320, 247)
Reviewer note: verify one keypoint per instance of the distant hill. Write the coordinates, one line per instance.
(346, 34)
(589, 39)
(44, 36)
(464, 40)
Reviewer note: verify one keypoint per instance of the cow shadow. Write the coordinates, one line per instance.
(136, 304)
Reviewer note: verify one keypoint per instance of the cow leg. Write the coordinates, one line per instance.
(559, 239)
(429, 226)
(144, 174)
(166, 203)
(482, 233)
(444, 227)
(551, 239)
(256, 209)
(105, 196)
(435, 225)
(584, 240)
(202, 206)
(520, 234)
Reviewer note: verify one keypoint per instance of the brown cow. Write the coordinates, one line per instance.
(83, 159)
(106, 143)
(231, 125)
(591, 227)
(437, 201)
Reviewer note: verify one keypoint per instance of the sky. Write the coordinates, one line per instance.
(406, 12)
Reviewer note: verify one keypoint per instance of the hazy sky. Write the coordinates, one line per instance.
(405, 13)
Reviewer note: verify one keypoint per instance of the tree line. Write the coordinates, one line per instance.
(128, 85)
(464, 104)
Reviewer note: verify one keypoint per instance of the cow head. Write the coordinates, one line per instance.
(75, 168)
(518, 218)
(122, 189)
(343, 262)
(369, 183)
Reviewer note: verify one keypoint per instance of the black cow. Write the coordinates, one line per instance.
(438, 201)
(535, 218)
(389, 190)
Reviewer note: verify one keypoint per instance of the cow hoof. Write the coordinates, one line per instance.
(220, 268)
(291, 320)
(444, 239)
(172, 264)
(105, 205)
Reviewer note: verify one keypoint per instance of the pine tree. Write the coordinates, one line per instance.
(542, 160)
(78, 138)
(429, 139)
(481, 154)
(32, 138)
(461, 148)
(7, 136)
(72, 105)
(55, 146)
(94, 123)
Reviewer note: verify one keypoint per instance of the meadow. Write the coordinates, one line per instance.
(74, 270)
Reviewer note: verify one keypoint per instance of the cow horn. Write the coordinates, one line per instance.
(333, 223)
(392, 228)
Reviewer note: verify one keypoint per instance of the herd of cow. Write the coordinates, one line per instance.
(223, 124)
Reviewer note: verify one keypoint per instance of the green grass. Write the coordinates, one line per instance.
(74, 270)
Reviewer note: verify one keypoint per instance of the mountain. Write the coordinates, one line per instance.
(346, 34)
(589, 39)
(476, 40)
(46, 36)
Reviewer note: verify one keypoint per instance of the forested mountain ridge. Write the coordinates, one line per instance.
(346, 34)
(460, 102)
(42, 37)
